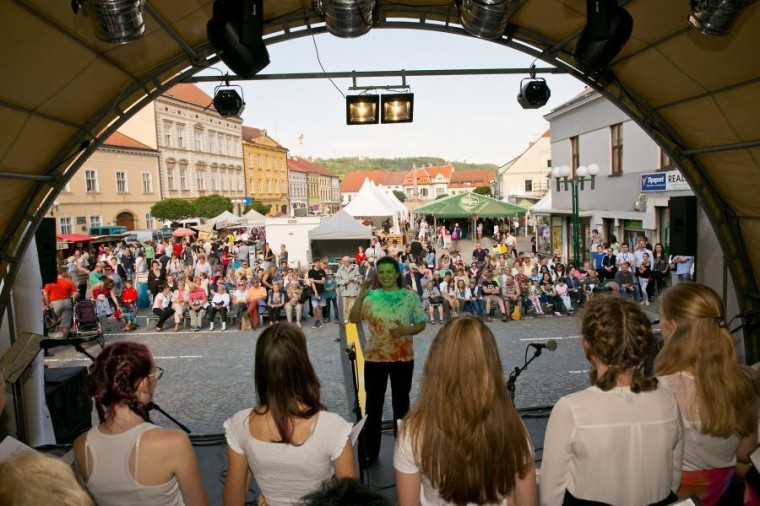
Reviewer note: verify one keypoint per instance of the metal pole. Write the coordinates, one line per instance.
(576, 224)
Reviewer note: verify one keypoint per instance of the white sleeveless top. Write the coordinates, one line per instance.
(111, 483)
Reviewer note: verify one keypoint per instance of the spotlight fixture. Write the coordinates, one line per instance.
(534, 92)
(235, 31)
(608, 28)
(486, 19)
(346, 18)
(114, 21)
(716, 18)
(362, 109)
(228, 102)
(397, 108)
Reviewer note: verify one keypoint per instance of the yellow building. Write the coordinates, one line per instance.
(266, 170)
(117, 185)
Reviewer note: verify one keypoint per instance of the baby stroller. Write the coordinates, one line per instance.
(87, 322)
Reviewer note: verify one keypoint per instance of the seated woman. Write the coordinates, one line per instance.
(276, 301)
(126, 459)
(463, 420)
(432, 299)
(162, 306)
(619, 441)
(294, 300)
(220, 303)
(718, 404)
(179, 303)
(197, 302)
(288, 443)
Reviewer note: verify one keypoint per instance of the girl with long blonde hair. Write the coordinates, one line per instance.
(718, 403)
(463, 441)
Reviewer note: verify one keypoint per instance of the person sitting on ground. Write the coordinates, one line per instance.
(33, 479)
(459, 418)
(220, 304)
(288, 443)
(619, 441)
(126, 459)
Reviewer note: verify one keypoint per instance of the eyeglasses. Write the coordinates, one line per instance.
(159, 372)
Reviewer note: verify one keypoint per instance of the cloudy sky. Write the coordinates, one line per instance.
(466, 118)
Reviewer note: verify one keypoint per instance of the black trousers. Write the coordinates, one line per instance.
(163, 315)
(375, 382)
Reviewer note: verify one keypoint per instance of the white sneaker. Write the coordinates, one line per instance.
(211, 326)
(224, 326)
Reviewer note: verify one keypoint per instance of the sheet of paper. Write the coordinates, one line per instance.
(19, 356)
(356, 430)
(11, 447)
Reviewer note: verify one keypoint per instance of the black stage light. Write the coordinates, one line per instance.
(534, 93)
(608, 28)
(397, 108)
(362, 109)
(235, 31)
(228, 102)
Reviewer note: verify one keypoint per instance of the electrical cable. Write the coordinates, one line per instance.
(319, 60)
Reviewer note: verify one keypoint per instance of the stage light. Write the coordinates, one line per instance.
(347, 18)
(608, 28)
(362, 109)
(534, 93)
(228, 102)
(397, 108)
(235, 31)
(716, 18)
(114, 21)
(486, 19)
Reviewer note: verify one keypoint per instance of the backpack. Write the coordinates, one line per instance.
(454, 235)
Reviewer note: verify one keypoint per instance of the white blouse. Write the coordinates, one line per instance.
(615, 447)
(701, 451)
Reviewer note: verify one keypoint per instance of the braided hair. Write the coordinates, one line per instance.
(619, 335)
(115, 375)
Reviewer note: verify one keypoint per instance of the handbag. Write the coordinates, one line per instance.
(516, 313)
(436, 300)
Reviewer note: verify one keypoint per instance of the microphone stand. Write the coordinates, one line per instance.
(153, 406)
(518, 370)
(351, 352)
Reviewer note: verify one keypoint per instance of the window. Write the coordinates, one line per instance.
(261, 186)
(150, 222)
(121, 182)
(220, 144)
(82, 221)
(229, 146)
(170, 178)
(528, 185)
(147, 182)
(181, 136)
(182, 178)
(666, 162)
(91, 181)
(250, 159)
(424, 192)
(198, 140)
(211, 139)
(269, 186)
(95, 220)
(258, 160)
(575, 156)
(168, 135)
(214, 176)
(65, 226)
(200, 179)
(549, 162)
(616, 168)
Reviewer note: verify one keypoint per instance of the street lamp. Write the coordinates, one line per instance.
(563, 173)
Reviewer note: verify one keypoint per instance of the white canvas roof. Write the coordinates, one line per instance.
(225, 217)
(545, 204)
(369, 203)
(254, 218)
(340, 225)
(394, 201)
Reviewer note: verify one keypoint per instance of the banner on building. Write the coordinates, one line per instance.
(671, 180)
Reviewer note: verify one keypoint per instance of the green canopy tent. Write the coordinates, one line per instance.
(472, 206)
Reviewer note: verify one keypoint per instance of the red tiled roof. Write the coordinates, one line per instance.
(422, 176)
(353, 181)
(250, 134)
(394, 178)
(190, 93)
(124, 141)
(471, 178)
(307, 166)
(445, 170)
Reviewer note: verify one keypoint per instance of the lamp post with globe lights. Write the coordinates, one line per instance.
(576, 183)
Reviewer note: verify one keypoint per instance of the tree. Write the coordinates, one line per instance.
(483, 190)
(210, 206)
(172, 210)
(400, 195)
(259, 207)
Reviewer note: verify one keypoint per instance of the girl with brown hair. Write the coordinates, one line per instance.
(463, 441)
(619, 441)
(288, 442)
(718, 404)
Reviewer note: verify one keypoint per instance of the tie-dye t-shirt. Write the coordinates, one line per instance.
(383, 311)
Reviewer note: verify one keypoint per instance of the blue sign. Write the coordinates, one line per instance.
(654, 182)
(248, 201)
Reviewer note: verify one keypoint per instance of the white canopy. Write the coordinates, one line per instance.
(340, 225)
(370, 203)
(225, 218)
(254, 218)
(395, 201)
(545, 204)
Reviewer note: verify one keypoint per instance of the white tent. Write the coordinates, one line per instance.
(395, 201)
(226, 218)
(338, 236)
(543, 205)
(369, 203)
(254, 219)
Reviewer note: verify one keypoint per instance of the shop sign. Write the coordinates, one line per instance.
(671, 180)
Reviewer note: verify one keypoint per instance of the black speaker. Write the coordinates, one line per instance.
(607, 29)
(46, 250)
(235, 31)
(683, 226)
(69, 405)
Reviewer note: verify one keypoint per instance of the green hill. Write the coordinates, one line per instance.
(342, 166)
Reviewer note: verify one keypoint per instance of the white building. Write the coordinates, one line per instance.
(526, 176)
(298, 189)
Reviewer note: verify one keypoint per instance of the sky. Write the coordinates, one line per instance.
(462, 118)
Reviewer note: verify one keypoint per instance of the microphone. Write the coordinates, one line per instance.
(549, 345)
(46, 344)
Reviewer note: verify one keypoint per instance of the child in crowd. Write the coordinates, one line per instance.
(644, 273)
(534, 293)
(330, 297)
(128, 306)
(562, 292)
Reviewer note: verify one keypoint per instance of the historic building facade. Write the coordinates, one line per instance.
(266, 170)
